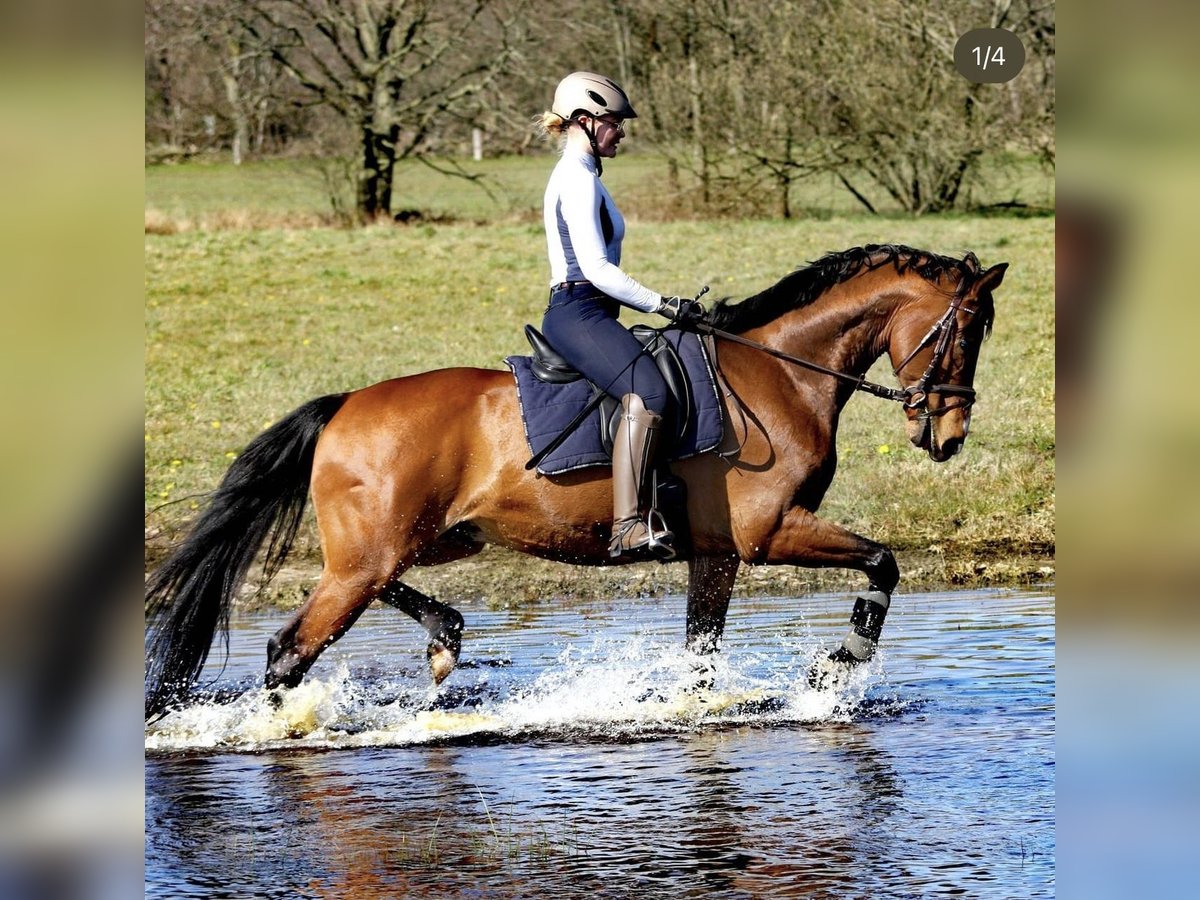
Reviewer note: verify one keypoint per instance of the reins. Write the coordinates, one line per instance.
(915, 396)
(860, 382)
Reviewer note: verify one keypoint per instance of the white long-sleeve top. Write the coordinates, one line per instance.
(581, 248)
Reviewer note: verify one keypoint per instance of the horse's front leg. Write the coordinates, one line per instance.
(710, 585)
(804, 539)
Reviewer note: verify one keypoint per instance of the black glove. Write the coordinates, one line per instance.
(682, 311)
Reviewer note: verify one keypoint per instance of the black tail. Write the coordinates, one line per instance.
(189, 596)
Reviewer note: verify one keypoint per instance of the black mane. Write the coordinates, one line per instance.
(804, 285)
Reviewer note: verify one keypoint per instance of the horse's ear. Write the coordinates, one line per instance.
(990, 280)
(971, 261)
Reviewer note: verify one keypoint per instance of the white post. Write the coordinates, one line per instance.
(477, 144)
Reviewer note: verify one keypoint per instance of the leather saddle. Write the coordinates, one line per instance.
(550, 366)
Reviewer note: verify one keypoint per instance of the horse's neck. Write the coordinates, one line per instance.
(845, 329)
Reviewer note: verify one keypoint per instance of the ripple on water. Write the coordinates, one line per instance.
(582, 749)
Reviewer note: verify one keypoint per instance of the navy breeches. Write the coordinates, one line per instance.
(581, 324)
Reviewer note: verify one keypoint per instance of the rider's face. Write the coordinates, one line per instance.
(609, 131)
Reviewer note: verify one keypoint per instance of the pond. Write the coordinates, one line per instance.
(579, 750)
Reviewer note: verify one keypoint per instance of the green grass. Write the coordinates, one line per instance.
(244, 325)
(508, 189)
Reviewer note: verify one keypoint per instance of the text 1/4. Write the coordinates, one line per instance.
(984, 55)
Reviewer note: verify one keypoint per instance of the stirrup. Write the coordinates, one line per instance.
(656, 537)
(662, 539)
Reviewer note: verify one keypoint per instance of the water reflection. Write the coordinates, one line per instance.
(941, 780)
(715, 812)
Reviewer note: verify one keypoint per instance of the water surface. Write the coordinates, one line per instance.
(580, 750)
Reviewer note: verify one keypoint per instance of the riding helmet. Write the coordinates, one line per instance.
(592, 95)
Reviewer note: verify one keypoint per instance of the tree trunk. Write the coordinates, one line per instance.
(241, 127)
(260, 125)
(368, 178)
(621, 37)
(170, 106)
(233, 94)
(387, 158)
(700, 147)
(952, 184)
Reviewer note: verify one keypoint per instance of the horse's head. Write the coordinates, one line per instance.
(934, 347)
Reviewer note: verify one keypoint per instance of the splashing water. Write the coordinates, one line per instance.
(578, 746)
(612, 689)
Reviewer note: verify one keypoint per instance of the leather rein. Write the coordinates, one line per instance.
(915, 396)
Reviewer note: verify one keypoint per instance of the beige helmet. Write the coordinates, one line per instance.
(592, 94)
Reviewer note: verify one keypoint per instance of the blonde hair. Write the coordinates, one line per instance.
(552, 124)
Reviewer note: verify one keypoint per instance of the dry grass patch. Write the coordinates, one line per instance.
(162, 223)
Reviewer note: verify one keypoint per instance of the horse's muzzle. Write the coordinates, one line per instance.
(943, 452)
(923, 434)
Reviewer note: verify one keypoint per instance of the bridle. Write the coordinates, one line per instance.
(916, 396)
(913, 397)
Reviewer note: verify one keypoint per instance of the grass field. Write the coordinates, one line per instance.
(244, 323)
(218, 194)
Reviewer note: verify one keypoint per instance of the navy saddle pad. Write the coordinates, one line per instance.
(552, 395)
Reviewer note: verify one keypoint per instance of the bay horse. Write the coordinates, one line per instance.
(427, 469)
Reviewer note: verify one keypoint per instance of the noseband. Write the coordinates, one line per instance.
(916, 396)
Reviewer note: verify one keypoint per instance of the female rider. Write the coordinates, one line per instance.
(584, 230)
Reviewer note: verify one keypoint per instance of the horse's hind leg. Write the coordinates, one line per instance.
(328, 613)
(336, 604)
(353, 579)
(443, 623)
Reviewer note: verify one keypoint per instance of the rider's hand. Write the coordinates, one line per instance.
(682, 311)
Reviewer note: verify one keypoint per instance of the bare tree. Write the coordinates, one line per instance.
(764, 93)
(250, 78)
(748, 96)
(724, 78)
(895, 115)
(393, 71)
(207, 81)
(176, 87)
(686, 78)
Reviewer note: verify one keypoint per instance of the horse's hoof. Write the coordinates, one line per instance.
(832, 672)
(275, 698)
(442, 661)
(703, 676)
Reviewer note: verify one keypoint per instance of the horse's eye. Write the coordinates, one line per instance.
(962, 343)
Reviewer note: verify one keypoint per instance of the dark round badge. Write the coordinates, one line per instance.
(989, 55)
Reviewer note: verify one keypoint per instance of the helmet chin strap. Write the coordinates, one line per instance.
(590, 131)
